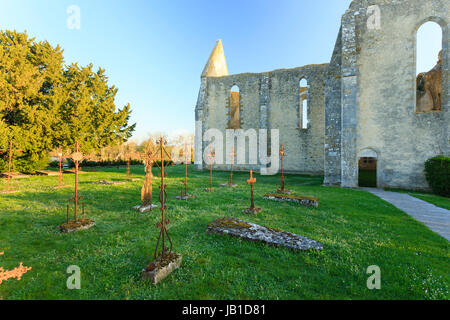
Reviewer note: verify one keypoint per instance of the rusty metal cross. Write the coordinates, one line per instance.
(251, 181)
(77, 157)
(211, 156)
(10, 150)
(146, 191)
(232, 155)
(186, 158)
(61, 156)
(282, 154)
(165, 159)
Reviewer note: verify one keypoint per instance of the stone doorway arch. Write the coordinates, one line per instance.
(368, 168)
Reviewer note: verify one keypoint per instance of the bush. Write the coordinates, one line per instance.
(437, 172)
(25, 164)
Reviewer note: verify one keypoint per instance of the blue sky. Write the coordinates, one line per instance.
(154, 51)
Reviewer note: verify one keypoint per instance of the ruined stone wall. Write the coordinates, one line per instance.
(379, 92)
(333, 87)
(272, 100)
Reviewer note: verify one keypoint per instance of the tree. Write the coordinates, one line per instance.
(88, 112)
(45, 105)
(29, 77)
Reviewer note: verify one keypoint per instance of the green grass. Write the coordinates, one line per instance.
(356, 228)
(438, 201)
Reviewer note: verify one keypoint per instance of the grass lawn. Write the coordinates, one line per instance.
(438, 201)
(356, 228)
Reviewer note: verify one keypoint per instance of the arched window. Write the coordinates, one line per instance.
(234, 108)
(429, 68)
(303, 105)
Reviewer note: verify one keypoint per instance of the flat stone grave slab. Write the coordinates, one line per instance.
(73, 226)
(47, 173)
(73, 171)
(14, 175)
(132, 179)
(108, 182)
(161, 268)
(302, 200)
(142, 208)
(228, 185)
(253, 232)
(186, 197)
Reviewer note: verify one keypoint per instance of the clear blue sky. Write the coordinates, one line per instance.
(154, 51)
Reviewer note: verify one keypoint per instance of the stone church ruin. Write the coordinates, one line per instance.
(366, 106)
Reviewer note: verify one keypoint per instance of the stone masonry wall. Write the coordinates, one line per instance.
(378, 87)
(271, 100)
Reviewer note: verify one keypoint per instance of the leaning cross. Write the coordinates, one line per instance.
(10, 150)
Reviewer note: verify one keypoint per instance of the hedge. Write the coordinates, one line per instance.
(437, 172)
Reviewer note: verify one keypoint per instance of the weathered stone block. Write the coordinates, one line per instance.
(161, 268)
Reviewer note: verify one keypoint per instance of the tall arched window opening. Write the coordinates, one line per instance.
(303, 105)
(429, 68)
(234, 108)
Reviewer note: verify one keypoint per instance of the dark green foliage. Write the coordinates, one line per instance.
(105, 163)
(437, 172)
(367, 178)
(45, 105)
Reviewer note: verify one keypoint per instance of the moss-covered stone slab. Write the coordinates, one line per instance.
(228, 185)
(14, 175)
(107, 182)
(133, 179)
(185, 197)
(161, 268)
(81, 224)
(302, 200)
(47, 173)
(145, 208)
(73, 171)
(253, 232)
